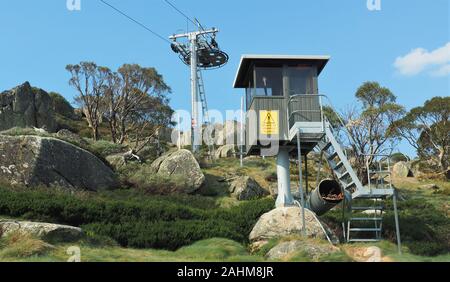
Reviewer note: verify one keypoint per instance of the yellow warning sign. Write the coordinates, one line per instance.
(268, 122)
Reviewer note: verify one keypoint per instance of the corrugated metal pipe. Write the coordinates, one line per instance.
(325, 197)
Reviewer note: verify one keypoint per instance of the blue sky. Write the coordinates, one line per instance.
(39, 38)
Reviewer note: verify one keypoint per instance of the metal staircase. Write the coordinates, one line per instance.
(365, 222)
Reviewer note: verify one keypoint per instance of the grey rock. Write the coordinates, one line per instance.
(226, 151)
(181, 164)
(283, 222)
(246, 188)
(313, 250)
(24, 106)
(401, 170)
(32, 161)
(44, 231)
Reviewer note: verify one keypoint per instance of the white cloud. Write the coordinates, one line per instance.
(420, 60)
(442, 71)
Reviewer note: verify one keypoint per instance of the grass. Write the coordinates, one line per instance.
(210, 250)
(19, 245)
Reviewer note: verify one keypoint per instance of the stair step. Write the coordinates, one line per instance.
(364, 240)
(365, 230)
(338, 165)
(351, 184)
(332, 156)
(344, 175)
(325, 146)
(367, 208)
(366, 218)
(380, 171)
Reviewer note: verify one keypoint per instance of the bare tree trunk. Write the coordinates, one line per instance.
(123, 131)
(443, 159)
(95, 133)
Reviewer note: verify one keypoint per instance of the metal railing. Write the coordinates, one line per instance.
(379, 165)
(312, 114)
(296, 98)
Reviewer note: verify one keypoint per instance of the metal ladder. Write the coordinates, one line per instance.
(202, 95)
(357, 223)
(205, 113)
(364, 227)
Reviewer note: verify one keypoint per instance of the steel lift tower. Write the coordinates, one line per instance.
(200, 51)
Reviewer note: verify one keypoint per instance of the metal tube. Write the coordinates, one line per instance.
(195, 121)
(300, 187)
(306, 174)
(284, 198)
(397, 225)
(320, 201)
(179, 131)
(242, 132)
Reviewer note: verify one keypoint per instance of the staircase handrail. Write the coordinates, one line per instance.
(324, 118)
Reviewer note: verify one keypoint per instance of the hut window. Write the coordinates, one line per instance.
(269, 81)
(301, 80)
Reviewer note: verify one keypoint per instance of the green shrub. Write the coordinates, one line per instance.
(430, 249)
(399, 157)
(61, 106)
(145, 222)
(105, 148)
(25, 131)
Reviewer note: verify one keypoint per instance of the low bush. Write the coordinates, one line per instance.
(21, 245)
(148, 222)
(105, 148)
(61, 106)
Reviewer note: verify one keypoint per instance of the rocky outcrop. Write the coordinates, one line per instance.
(183, 165)
(226, 151)
(246, 188)
(44, 231)
(313, 250)
(25, 106)
(401, 170)
(283, 222)
(32, 161)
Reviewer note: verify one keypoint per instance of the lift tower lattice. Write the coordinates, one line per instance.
(201, 51)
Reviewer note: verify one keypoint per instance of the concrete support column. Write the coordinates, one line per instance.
(284, 180)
